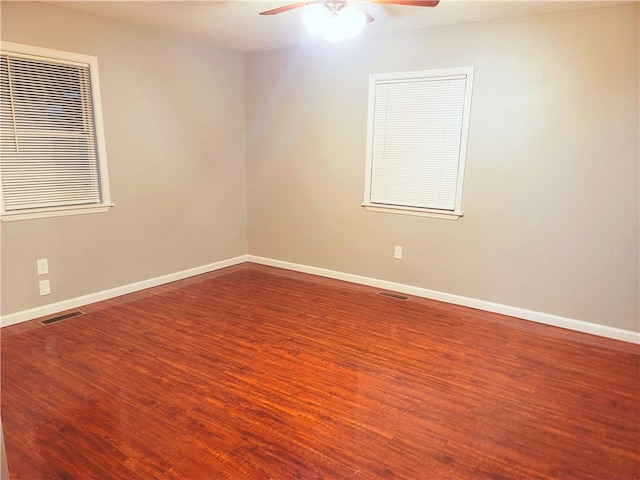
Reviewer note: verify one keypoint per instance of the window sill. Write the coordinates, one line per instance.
(53, 212)
(419, 212)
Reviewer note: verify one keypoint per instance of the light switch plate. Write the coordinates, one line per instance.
(43, 266)
(45, 287)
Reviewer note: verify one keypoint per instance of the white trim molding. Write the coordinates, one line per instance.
(52, 308)
(532, 315)
(539, 317)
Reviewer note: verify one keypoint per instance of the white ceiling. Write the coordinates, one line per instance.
(236, 24)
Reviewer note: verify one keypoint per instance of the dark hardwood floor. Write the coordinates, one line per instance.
(258, 373)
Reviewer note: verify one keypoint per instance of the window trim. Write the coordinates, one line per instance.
(46, 54)
(410, 75)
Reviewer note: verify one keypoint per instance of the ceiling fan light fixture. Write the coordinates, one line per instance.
(334, 30)
(315, 19)
(353, 20)
(333, 25)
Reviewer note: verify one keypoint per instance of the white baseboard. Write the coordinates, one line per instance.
(77, 302)
(545, 318)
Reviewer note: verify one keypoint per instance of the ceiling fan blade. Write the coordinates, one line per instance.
(366, 14)
(287, 8)
(369, 17)
(414, 3)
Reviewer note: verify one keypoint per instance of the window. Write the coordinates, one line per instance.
(416, 141)
(52, 152)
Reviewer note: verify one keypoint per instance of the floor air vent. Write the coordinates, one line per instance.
(49, 321)
(393, 295)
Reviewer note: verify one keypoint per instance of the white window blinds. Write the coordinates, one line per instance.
(417, 136)
(48, 146)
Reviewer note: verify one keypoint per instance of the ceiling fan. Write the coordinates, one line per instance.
(335, 5)
(338, 19)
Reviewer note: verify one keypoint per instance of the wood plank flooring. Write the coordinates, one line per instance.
(253, 372)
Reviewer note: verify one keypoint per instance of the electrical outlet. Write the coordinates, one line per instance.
(45, 287)
(43, 266)
(397, 253)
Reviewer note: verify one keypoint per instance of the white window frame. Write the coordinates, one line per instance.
(56, 56)
(412, 76)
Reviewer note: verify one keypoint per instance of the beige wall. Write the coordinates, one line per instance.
(551, 192)
(174, 127)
